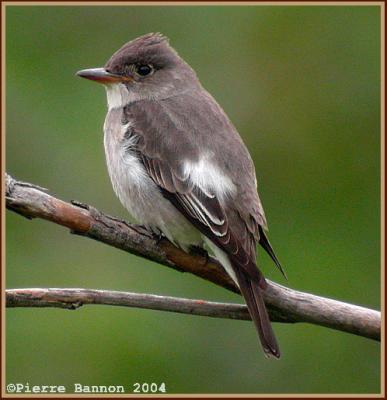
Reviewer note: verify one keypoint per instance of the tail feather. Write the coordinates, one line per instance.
(252, 292)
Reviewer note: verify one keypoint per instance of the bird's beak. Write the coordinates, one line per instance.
(100, 75)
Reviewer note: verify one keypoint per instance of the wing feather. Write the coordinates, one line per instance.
(231, 223)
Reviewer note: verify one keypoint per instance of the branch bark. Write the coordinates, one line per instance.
(284, 304)
(74, 298)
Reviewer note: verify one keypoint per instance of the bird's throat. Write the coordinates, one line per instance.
(119, 96)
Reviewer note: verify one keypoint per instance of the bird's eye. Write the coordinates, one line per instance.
(144, 70)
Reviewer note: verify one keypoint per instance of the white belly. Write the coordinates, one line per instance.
(137, 191)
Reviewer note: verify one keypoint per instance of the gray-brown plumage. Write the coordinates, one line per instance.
(180, 167)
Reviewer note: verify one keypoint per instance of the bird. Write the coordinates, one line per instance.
(180, 168)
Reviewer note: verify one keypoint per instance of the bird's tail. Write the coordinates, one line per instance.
(252, 292)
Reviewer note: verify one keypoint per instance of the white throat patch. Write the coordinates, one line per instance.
(119, 96)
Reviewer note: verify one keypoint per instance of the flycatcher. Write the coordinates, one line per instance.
(179, 166)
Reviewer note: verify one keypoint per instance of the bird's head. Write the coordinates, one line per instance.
(144, 68)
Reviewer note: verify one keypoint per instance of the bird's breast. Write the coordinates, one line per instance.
(130, 181)
(136, 190)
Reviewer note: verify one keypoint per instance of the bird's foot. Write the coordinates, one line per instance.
(200, 251)
(142, 230)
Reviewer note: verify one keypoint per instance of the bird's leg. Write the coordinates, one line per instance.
(142, 230)
(157, 235)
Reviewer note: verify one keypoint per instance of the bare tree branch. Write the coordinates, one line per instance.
(74, 298)
(284, 304)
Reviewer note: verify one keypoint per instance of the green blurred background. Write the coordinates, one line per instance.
(302, 86)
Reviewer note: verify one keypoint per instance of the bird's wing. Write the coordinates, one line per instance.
(204, 211)
(160, 133)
